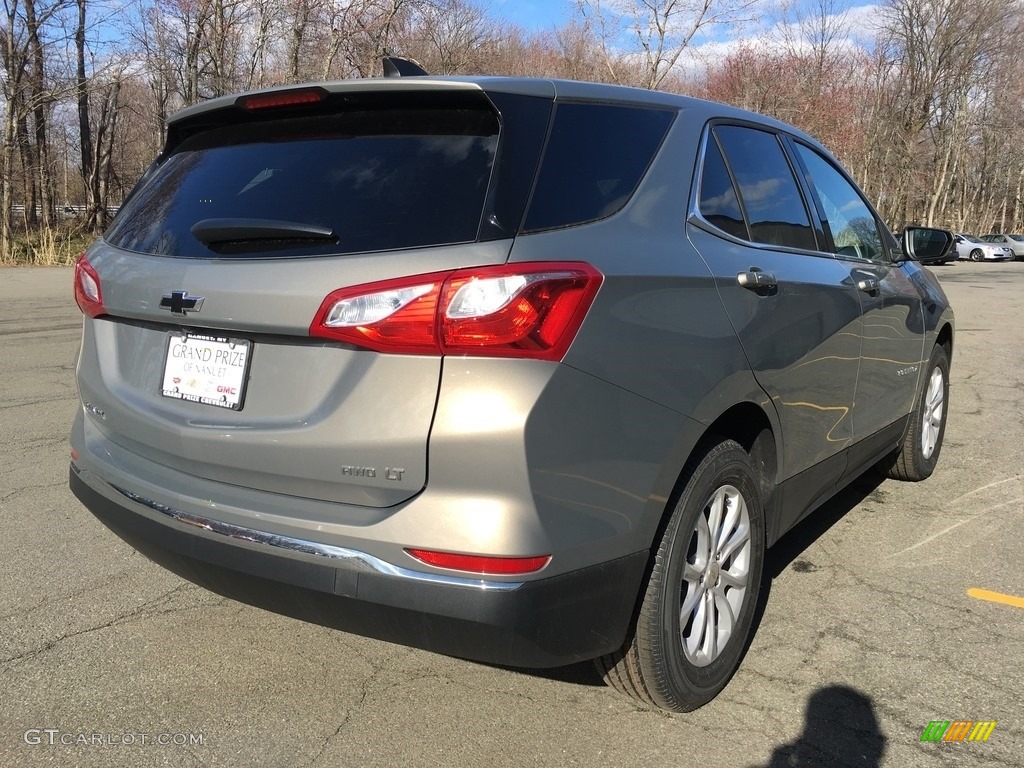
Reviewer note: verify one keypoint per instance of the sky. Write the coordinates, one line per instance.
(538, 15)
(542, 15)
(859, 19)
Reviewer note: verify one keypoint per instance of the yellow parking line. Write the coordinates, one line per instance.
(996, 597)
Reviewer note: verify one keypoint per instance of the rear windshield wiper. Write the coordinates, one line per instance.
(214, 231)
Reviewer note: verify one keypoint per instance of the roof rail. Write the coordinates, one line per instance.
(395, 66)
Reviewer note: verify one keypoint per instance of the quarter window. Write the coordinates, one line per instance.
(595, 158)
(775, 209)
(718, 201)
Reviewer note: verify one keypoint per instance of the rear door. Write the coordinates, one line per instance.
(217, 265)
(793, 307)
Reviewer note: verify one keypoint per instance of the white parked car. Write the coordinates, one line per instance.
(976, 249)
(1014, 242)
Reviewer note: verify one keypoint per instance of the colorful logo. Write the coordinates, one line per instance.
(958, 730)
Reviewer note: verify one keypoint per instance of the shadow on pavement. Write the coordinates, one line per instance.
(814, 526)
(840, 729)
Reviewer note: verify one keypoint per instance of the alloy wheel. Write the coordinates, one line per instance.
(934, 409)
(716, 576)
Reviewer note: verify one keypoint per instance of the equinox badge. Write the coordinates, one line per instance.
(180, 303)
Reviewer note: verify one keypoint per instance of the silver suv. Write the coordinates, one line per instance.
(522, 371)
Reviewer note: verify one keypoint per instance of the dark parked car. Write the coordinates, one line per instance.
(523, 371)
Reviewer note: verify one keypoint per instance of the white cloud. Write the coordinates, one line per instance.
(855, 28)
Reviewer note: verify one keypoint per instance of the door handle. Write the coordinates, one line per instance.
(757, 280)
(868, 285)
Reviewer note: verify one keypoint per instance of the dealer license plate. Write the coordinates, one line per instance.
(206, 369)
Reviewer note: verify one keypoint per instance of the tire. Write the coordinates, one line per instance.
(916, 458)
(679, 660)
(977, 255)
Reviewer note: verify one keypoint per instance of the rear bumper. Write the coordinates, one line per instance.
(544, 623)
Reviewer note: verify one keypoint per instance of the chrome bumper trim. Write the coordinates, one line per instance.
(361, 560)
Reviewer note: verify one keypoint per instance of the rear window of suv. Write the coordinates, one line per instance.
(371, 180)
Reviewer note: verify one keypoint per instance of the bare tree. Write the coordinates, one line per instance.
(299, 14)
(579, 55)
(96, 134)
(449, 36)
(662, 30)
(942, 49)
(28, 96)
(267, 22)
(39, 179)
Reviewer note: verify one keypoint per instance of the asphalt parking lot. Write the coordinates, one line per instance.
(867, 635)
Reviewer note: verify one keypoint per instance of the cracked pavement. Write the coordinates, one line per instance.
(866, 634)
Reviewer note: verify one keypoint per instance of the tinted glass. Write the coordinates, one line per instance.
(854, 229)
(718, 203)
(596, 156)
(524, 127)
(379, 179)
(775, 208)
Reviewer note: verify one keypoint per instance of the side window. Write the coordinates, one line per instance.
(718, 201)
(596, 156)
(854, 228)
(775, 208)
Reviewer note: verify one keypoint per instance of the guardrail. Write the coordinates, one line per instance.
(64, 210)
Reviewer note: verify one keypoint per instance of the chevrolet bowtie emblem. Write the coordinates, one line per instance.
(180, 303)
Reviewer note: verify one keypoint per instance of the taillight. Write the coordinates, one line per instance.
(88, 293)
(482, 564)
(513, 310)
(390, 316)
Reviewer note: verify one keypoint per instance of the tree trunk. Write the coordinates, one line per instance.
(6, 179)
(296, 38)
(42, 177)
(28, 172)
(88, 169)
(105, 138)
(14, 69)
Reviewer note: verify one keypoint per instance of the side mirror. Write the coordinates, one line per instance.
(920, 243)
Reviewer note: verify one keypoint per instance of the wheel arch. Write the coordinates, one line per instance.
(749, 425)
(945, 339)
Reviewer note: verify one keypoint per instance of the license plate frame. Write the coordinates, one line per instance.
(205, 369)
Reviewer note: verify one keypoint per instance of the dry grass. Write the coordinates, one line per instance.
(47, 247)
